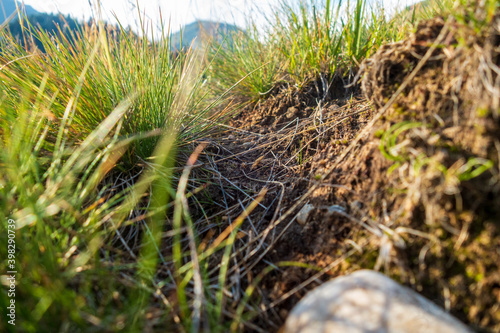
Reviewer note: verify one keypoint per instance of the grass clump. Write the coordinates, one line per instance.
(90, 135)
(245, 54)
(305, 41)
(123, 64)
(61, 222)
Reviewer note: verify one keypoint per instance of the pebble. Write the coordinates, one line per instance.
(292, 112)
(304, 213)
(335, 209)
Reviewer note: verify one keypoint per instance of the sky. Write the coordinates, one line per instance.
(175, 12)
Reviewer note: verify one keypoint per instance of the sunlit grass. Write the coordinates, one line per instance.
(241, 54)
(305, 40)
(123, 64)
(71, 118)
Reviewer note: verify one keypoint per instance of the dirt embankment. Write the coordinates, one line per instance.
(428, 175)
(405, 181)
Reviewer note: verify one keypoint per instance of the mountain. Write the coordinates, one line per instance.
(44, 21)
(47, 22)
(8, 7)
(419, 7)
(54, 24)
(201, 31)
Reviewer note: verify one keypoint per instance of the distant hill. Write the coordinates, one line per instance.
(47, 22)
(8, 7)
(419, 6)
(44, 21)
(200, 31)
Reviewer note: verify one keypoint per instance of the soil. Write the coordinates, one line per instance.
(410, 187)
(283, 143)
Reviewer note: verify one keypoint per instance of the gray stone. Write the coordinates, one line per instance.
(368, 301)
(304, 213)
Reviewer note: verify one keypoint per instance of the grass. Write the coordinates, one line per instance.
(100, 137)
(122, 64)
(75, 122)
(305, 41)
(247, 55)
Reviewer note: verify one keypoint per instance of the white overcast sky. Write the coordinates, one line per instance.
(179, 12)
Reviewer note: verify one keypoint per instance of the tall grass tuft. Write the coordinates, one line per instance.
(244, 53)
(87, 235)
(123, 64)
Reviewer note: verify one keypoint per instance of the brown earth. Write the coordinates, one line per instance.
(405, 181)
(283, 144)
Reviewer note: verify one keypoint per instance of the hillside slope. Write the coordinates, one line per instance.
(8, 7)
(199, 31)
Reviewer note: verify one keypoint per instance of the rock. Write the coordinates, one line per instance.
(292, 112)
(335, 209)
(368, 301)
(304, 213)
(333, 108)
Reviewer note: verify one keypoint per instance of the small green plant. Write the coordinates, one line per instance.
(389, 140)
(474, 168)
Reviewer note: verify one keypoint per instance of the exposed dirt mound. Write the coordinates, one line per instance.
(413, 190)
(286, 103)
(425, 181)
(282, 143)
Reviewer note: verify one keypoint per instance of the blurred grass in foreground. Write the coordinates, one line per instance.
(70, 120)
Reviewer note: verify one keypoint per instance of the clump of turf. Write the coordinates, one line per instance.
(428, 175)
